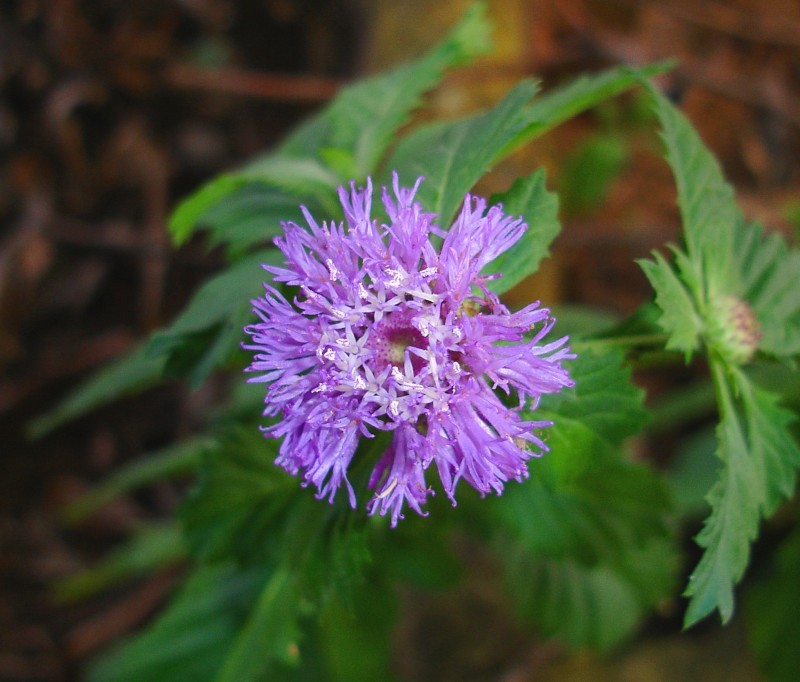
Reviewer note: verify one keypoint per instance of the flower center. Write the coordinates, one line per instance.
(392, 335)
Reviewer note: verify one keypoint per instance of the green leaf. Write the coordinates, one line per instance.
(189, 641)
(567, 101)
(250, 216)
(269, 634)
(597, 605)
(210, 328)
(579, 538)
(176, 460)
(453, 156)
(759, 460)
(366, 116)
(245, 506)
(603, 400)
(529, 198)
(189, 211)
(773, 620)
(305, 179)
(239, 498)
(131, 373)
(771, 278)
(708, 210)
(350, 135)
(151, 548)
(679, 317)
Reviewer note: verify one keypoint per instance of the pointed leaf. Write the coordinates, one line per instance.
(567, 101)
(269, 634)
(365, 117)
(453, 156)
(129, 374)
(678, 315)
(189, 641)
(529, 198)
(708, 210)
(210, 327)
(760, 458)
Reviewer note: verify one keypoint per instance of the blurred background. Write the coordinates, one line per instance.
(112, 111)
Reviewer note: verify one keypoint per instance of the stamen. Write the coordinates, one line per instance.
(388, 490)
(332, 269)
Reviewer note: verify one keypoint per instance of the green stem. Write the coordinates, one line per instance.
(656, 340)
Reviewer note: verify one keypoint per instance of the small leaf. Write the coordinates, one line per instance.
(305, 179)
(250, 216)
(771, 274)
(529, 198)
(678, 315)
(189, 211)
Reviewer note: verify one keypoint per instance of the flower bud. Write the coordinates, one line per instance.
(733, 329)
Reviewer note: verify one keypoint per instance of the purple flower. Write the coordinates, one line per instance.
(386, 334)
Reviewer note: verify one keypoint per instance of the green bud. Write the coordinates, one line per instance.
(732, 329)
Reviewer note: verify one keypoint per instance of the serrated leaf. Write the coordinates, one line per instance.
(773, 620)
(603, 399)
(759, 460)
(189, 641)
(528, 197)
(678, 315)
(238, 497)
(131, 373)
(709, 212)
(586, 513)
(596, 606)
(453, 156)
(771, 280)
(724, 256)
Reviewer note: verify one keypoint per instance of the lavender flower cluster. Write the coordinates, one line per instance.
(387, 334)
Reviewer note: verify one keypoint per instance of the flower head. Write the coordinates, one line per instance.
(387, 334)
